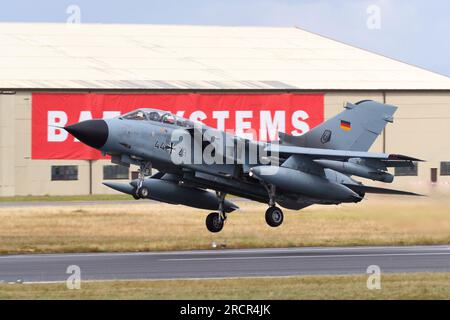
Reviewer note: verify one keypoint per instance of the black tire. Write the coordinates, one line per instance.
(135, 196)
(274, 217)
(214, 222)
(143, 192)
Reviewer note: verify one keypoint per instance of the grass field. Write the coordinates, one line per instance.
(155, 226)
(393, 286)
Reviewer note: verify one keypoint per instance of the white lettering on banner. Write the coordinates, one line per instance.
(297, 122)
(270, 122)
(242, 125)
(269, 127)
(221, 116)
(110, 114)
(56, 119)
(197, 116)
(85, 115)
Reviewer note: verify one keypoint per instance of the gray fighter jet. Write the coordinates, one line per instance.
(294, 172)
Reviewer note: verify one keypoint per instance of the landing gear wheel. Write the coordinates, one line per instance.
(134, 194)
(214, 222)
(274, 216)
(143, 192)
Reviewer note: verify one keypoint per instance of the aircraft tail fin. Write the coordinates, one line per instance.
(356, 128)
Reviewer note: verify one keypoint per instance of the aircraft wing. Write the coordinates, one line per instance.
(158, 175)
(369, 189)
(317, 153)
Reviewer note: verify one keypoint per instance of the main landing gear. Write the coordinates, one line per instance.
(216, 220)
(145, 169)
(274, 215)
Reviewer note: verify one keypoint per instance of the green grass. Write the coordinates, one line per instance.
(93, 197)
(393, 286)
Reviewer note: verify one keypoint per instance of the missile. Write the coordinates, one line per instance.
(304, 183)
(121, 187)
(171, 192)
(356, 169)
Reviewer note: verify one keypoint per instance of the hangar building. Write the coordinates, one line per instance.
(98, 59)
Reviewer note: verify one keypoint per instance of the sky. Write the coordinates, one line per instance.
(413, 31)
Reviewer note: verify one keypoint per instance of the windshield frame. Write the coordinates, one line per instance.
(149, 115)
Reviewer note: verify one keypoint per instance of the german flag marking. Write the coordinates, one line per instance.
(345, 125)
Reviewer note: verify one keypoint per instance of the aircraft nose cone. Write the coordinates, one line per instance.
(94, 133)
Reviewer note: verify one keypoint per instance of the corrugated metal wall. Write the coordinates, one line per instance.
(421, 128)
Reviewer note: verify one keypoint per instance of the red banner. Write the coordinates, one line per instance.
(254, 116)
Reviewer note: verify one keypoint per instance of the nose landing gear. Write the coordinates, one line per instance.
(143, 192)
(145, 169)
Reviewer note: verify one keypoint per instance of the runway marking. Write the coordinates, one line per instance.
(128, 265)
(315, 256)
(222, 251)
(209, 278)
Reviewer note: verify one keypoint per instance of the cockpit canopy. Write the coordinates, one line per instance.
(157, 116)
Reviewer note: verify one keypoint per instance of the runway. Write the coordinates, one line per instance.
(224, 263)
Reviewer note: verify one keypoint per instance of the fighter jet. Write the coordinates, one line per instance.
(198, 165)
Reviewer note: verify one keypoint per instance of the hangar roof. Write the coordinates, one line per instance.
(113, 56)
